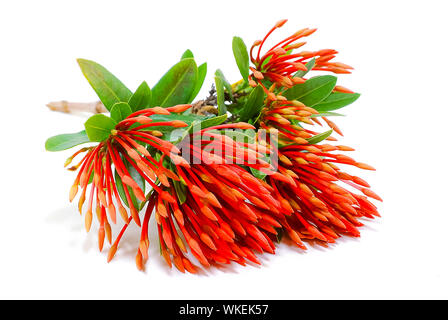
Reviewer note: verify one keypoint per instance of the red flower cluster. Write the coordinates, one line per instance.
(124, 150)
(222, 218)
(322, 208)
(207, 200)
(219, 217)
(227, 213)
(281, 66)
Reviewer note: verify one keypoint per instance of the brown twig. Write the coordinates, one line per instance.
(70, 107)
(201, 107)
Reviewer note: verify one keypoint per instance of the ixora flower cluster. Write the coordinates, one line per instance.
(226, 177)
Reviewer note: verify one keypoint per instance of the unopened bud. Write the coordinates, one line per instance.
(280, 23)
(88, 220)
(73, 191)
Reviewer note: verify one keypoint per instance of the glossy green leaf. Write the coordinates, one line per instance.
(257, 174)
(143, 203)
(253, 104)
(309, 65)
(279, 235)
(120, 111)
(141, 99)
(187, 54)
(66, 141)
(320, 137)
(202, 72)
(226, 83)
(336, 100)
(202, 124)
(241, 57)
(91, 177)
(190, 129)
(181, 191)
(109, 89)
(219, 84)
(187, 118)
(266, 61)
(213, 121)
(177, 85)
(120, 186)
(312, 91)
(136, 176)
(98, 127)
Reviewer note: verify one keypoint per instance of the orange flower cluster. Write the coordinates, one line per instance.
(323, 209)
(122, 150)
(282, 67)
(320, 207)
(208, 203)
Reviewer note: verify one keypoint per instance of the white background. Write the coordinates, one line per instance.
(399, 50)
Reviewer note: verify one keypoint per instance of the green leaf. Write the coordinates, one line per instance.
(219, 83)
(336, 100)
(66, 141)
(309, 65)
(91, 177)
(241, 56)
(98, 127)
(226, 83)
(253, 104)
(141, 99)
(109, 89)
(136, 176)
(258, 174)
(214, 121)
(177, 85)
(202, 72)
(181, 191)
(187, 118)
(202, 124)
(120, 186)
(120, 111)
(279, 235)
(312, 91)
(187, 54)
(320, 137)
